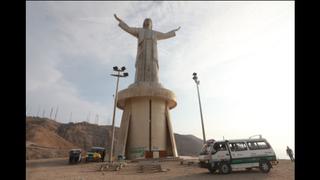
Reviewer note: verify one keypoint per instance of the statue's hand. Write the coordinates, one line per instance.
(177, 29)
(118, 19)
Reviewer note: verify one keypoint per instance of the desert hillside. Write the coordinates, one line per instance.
(46, 138)
(188, 145)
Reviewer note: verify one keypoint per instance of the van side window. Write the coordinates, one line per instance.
(238, 146)
(252, 145)
(232, 146)
(263, 145)
(255, 145)
(241, 146)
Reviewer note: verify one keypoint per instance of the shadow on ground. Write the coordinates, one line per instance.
(235, 175)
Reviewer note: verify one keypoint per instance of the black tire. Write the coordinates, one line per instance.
(71, 160)
(248, 169)
(224, 168)
(212, 169)
(206, 165)
(264, 166)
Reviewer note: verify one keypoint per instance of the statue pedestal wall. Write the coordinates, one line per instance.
(146, 130)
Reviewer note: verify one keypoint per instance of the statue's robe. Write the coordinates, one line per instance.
(147, 66)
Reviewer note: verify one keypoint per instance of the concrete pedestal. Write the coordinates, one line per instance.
(146, 130)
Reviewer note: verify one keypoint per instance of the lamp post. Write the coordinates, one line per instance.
(195, 78)
(119, 74)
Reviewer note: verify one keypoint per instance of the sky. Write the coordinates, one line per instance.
(242, 51)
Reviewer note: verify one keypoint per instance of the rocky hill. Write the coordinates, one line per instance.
(47, 138)
(188, 145)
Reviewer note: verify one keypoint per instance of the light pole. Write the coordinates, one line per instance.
(119, 74)
(195, 78)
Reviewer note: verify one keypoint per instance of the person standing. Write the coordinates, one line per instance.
(290, 153)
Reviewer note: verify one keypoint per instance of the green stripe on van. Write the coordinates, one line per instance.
(252, 159)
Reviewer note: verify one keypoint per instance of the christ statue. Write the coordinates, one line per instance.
(147, 66)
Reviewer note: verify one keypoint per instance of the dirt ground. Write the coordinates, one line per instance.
(56, 169)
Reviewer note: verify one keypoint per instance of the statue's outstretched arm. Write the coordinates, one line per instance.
(167, 35)
(125, 27)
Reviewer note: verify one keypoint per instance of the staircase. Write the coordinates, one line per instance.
(150, 166)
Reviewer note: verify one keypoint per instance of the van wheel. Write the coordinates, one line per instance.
(248, 169)
(265, 166)
(212, 169)
(224, 168)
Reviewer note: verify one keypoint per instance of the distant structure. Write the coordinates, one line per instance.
(146, 130)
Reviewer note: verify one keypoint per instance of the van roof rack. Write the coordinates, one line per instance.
(260, 136)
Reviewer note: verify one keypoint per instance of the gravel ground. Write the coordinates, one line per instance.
(56, 169)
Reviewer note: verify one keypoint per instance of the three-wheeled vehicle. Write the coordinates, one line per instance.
(75, 156)
(96, 154)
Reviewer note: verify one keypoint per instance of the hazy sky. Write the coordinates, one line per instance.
(243, 53)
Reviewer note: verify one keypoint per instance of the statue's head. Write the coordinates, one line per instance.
(147, 23)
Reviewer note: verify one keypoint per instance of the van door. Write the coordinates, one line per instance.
(239, 152)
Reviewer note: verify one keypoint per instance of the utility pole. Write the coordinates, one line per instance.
(88, 117)
(43, 112)
(195, 78)
(55, 116)
(97, 119)
(38, 111)
(51, 112)
(118, 75)
(29, 111)
(70, 119)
